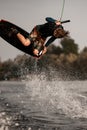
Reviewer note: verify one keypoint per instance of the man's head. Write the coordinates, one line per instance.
(60, 32)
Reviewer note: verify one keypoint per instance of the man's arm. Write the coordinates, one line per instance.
(50, 41)
(47, 44)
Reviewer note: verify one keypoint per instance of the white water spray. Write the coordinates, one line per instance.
(56, 97)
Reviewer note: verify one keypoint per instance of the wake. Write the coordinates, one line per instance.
(56, 96)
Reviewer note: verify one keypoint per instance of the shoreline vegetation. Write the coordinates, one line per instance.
(65, 62)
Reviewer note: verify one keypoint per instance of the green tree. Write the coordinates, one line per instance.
(52, 49)
(69, 46)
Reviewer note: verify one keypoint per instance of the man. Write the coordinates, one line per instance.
(52, 28)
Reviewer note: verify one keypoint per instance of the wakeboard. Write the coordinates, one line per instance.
(5, 28)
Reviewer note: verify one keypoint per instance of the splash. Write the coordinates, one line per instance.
(5, 120)
(56, 97)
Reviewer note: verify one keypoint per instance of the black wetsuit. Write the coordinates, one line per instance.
(47, 29)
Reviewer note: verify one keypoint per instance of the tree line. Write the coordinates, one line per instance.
(64, 61)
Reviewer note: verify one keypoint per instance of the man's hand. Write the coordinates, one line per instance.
(43, 52)
(58, 22)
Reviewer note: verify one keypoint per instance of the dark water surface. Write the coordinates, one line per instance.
(43, 105)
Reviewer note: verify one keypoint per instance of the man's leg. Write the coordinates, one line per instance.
(24, 41)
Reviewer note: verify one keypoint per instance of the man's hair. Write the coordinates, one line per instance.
(60, 33)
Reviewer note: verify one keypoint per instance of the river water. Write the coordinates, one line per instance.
(39, 104)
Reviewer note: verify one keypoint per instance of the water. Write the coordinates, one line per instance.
(38, 104)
